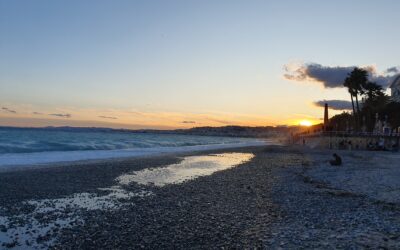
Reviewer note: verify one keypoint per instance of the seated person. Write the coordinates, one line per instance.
(337, 161)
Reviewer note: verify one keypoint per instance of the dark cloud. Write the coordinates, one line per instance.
(335, 104)
(384, 81)
(108, 117)
(37, 113)
(393, 70)
(188, 122)
(9, 110)
(62, 115)
(333, 77)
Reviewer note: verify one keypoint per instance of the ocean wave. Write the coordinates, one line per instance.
(22, 160)
(31, 141)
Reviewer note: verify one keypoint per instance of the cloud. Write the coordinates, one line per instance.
(62, 115)
(334, 76)
(335, 104)
(188, 122)
(226, 122)
(393, 70)
(37, 113)
(9, 110)
(108, 117)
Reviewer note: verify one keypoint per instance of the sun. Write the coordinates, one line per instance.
(305, 123)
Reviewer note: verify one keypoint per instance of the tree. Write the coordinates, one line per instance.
(349, 85)
(391, 110)
(375, 101)
(355, 82)
(372, 90)
(339, 122)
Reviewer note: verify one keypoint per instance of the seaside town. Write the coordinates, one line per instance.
(331, 185)
(374, 126)
(171, 124)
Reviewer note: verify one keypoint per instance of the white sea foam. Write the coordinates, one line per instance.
(28, 159)
(88, 201)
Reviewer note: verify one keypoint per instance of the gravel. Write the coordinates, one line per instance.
(269, 202)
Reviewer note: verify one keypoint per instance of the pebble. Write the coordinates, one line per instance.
(261, 204)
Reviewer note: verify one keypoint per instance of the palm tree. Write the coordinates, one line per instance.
(355, 82)
(373, 90)
(349, 85)
(359, 77)
(376, 101)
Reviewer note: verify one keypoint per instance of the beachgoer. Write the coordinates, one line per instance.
(337, 161)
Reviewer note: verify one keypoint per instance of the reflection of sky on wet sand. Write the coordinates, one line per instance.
(63, 212)
(189, 168)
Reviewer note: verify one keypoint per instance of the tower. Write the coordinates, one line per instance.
(326, 117)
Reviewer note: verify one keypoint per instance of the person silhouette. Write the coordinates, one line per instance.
(337, 161)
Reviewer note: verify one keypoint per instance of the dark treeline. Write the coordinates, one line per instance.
(368, 100)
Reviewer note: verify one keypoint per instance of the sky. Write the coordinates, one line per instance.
(176, 64)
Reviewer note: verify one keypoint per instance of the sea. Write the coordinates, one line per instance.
(27, 147)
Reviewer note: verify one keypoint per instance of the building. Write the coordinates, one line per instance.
(326, 118)
(395, 89)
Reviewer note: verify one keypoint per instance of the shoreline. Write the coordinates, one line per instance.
(283, 197)
(22, 161)
(47, 186)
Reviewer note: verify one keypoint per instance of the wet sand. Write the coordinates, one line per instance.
(271, 198)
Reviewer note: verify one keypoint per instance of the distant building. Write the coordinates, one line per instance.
(395, 89)
(326, 117)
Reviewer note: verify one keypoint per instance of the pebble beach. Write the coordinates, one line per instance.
(270, 197)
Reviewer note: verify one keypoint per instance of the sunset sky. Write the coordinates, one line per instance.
(176, 64)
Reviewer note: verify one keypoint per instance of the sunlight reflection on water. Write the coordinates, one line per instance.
(189, 168)
(63, 212)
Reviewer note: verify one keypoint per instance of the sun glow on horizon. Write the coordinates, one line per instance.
(305, 123)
